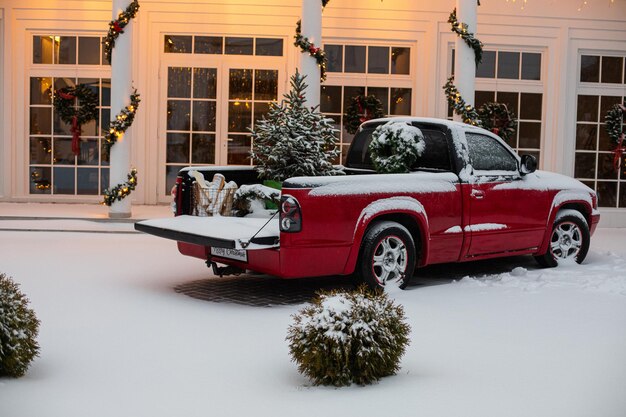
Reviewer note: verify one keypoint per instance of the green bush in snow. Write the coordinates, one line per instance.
(349, 337)
(18, 330)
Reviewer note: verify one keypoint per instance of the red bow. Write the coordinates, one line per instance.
(618, 152)
(75, 136)
(117, 27)
(66, 96)
(313, 50)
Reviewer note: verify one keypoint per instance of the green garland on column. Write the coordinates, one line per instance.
(460, 106)
(308, 46)
(124, 119)
(461, 30)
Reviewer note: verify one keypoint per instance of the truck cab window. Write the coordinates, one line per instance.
(487, 154)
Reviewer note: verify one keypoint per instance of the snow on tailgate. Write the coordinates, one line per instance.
(235, 229)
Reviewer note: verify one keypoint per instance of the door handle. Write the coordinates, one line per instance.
(478, 194)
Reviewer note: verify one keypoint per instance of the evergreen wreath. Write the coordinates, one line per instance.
(395, 147)
(460, 106)
(121, 122)
(307, 46)
(461, 30)
(615, 129)
(64, 99)
(121, 191)
(117, 26)
(360, 110)
(324, 3)
(498, 119)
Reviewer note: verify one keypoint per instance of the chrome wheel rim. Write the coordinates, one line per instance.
(566, 241)
(390, 260)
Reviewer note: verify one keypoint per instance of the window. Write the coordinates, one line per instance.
(508, 65)
(218, 45)
(601, 86)
(486, 154)
(68, 50)
(368, 59)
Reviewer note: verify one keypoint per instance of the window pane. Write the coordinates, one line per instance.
(87, 181)
(378, 60)
(589, 68)
(587, 109)
(178, 114)
(487, 68)
(40, 180)
(265, 84)
(585, 165)
(179, 82)
(606, 143)
(239, 116)
(530, 106)
(529, 135)
(177, 44)
(63, 154)
(260, 110)
(330, 99)
(104, 155)
(240, 84)
(40, 90)
(205, 83)
(67, 50)
(203, 116)
(355, 59)
(177, 148)
(607, 194)
(381, 93)
(622, 192)
(63, 181)
(88, 51)
(401, 60)
(586, 136)
(42, 49)
(104, 179)
(40, 120)
(239, 46)
(482, 97)
(203, 149)
(239, 149)
(40, 150)
(487, 154)
(400, 102)
(105, 121)
(607, 103)
(606, 169)
(510, 99)
(88, 152)
(334, 54)
(59, 126)
(349, 93)
(612, 69)
(208, 44)
(171, 172)
(106, 91)
(531, 66)
(269, 47)
(508, 65)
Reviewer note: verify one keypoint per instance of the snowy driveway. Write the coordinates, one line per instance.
(120, 336)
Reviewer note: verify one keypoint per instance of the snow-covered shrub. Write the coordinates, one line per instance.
(395, 147)
(349, 337)
(18, 330)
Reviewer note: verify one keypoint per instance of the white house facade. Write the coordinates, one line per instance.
(206, 70)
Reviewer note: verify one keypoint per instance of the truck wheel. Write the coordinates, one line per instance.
(387, 256)
(569, 240)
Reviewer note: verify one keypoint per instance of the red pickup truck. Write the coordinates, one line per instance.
(468, 197)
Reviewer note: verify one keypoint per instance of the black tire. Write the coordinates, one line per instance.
(569, 239)
(393, 245)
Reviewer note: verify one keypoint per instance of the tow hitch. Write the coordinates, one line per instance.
(224, 270)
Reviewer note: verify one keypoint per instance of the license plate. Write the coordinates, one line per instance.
(236, 254)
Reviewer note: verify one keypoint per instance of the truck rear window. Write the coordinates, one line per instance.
(436, 156)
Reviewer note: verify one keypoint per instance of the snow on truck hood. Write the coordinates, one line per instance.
(415, 182)
(544, 181)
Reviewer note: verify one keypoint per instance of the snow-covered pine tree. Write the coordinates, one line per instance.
(294, 140)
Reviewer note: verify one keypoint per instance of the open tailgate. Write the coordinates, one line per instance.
(219, 232)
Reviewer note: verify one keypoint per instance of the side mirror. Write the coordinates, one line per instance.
(528, 164)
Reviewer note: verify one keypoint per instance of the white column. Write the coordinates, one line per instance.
(121, 87)
(312, 29)
(464, 62)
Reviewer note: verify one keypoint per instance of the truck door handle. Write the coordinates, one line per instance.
(477, 194)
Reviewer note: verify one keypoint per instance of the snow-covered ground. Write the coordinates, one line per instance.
(117, 340)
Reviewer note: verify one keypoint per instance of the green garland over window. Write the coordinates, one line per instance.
(461, 30)
(117, 26)
(361, 109)
(309, 47)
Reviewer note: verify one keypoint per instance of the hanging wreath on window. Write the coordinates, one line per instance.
(87, 110)
(498, 119)
(395, 147)
(360, 110)
(615, 129)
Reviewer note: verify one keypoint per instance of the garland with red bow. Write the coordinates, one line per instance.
(360, 110)
(64, 99)
(306, 45)
(615, 129)
(117, 26)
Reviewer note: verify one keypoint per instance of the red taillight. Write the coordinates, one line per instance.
(290, 217)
